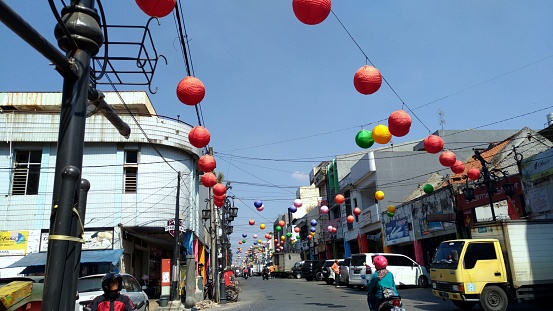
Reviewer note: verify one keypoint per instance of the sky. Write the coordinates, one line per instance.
(279, 93)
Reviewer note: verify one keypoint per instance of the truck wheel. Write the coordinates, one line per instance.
(319, 276)
(423, 281)
(464, 305)
(494, 298)
(298, 276)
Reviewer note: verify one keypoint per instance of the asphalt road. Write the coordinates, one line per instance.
(292, 294)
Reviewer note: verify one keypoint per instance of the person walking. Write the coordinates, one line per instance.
(336, 269)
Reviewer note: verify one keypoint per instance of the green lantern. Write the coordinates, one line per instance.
(364, 139)
(288, 234)
(298, 237)
(278, 228)
(390, 214)
(244, 241)
(428, 189)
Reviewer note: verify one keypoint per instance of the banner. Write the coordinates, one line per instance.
(95, 239)
(397, 231)
(13, 243)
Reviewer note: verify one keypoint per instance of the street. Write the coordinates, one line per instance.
(299, 294)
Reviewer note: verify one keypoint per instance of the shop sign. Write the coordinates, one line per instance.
(13, 243)
(397, 231)
(171, 227)
(95, 239)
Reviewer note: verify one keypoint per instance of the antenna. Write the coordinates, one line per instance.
(442, 119)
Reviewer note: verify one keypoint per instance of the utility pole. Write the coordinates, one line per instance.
(490, 185)
(175, 273)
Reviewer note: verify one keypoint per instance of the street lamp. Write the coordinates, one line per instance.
(228, 213)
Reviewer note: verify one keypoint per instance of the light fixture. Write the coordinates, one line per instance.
(206, 214)
(468, 191)
(230, 229)
(233, 212)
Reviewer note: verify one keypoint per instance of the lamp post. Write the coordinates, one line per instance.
(228, 213)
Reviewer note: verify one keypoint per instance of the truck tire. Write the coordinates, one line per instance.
(423, 281)
(464, 305)
(494, 298)
(319, 276)
(297, 275)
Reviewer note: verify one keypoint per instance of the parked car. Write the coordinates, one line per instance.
(312, 270)
(344, 271)
(405, 270)
(329, 275)
(88, 287)
(296, 269)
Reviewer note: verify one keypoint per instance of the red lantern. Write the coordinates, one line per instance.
(281, 223)
(339, 199)
(399, 123)
(367, 80)
(219, 197)
(207, 163)
(199, 137)
(219, 189)
(433, 144)
(334, 230)
(357, 211)
(473, 174)
(276, 240)
(309, 237)
(156, 8)
(219, 203)
(190, 91)
(458, 167)
(311, 12)
(209, 179)
(251, 222)
(350, 219)
(447, 158)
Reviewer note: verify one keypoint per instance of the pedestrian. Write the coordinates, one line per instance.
(144, 280)
(112, 299)
(336, 269)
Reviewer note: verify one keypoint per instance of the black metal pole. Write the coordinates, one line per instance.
(487, 182)
(174, 295)
(83, 195)
(224, 209)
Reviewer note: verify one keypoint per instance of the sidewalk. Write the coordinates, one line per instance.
(178, 306)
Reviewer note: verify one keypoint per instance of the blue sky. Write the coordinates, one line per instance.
(282, 90)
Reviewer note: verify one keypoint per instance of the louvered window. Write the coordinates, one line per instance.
(131, 170)
(26, 172)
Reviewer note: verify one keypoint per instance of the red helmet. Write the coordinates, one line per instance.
(380, 262)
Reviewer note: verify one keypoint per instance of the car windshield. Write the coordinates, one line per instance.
(447, 255)
(89, 284)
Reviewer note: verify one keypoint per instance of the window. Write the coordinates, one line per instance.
(131, 170)
(478, 251)
(404, 261)
(26, 172)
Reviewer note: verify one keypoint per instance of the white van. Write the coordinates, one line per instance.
(404, 269)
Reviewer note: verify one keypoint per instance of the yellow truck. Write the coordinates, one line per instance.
(503, 262)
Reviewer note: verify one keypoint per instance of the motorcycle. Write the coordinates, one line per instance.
(136, 307)
(265, 275)
(246, 274)
(392, 303)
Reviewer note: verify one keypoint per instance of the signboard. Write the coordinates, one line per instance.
(95, 239)
(481, 195)
(13, 243)
(538, 166)
(171, 227)
(397, 231)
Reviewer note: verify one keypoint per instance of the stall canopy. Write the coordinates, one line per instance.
(99, 256)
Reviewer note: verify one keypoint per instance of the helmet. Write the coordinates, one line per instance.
(110, 276)
(380, 262)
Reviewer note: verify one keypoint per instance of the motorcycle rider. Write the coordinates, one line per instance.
(266, 272)
(381, 285)
(246, 272)
(112, 299)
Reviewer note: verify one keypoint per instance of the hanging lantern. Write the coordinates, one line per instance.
(312, 229)
(190, 91)
(276, 241)
(288, 234)
(428, 189)
(243, 241)
(292, 209)
(391, 209)
(257, 203)
(350, 219)
(390, 214)
(324, 209)
(209, 179)
(329, 228)
(473, 174)
(309, 237)
(259, 241)
(297, 203)
(297, 229)
(156, 8)
(283, 238)
(364, 139)
(379, 195)
(199, 137)
(251, 222)
(313, 222)
(447, 158)
(255, 236)
(367, 80)
(278, 228)
(458, 167)
(334, 229)
(313, 233)
(261, 208)
(239, 242)
(433, 144)
(219, 197)
(262, 226)
(399, 123)
(281, 223)
(207, 163)
(381, 134)
(255, 243)
(219, 203)
(311, 12)
(244, 235)
(357, 211)
(298, 237)
(219, 189)
(339, 199)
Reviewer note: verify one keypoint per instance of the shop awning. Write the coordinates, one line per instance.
(99, 256)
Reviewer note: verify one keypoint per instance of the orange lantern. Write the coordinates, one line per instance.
(221, 197)
(458, 167)
(381, 134)
(207, 163)
(399, 123)
(350, 219)
(447, 158)
(309, 237)
(357, 211)
(297, 229)
(473, 174)
(251, 222)
(199, 137)
(219, 189)
(433, 144)
(190, 91)
(367, 80)
(156, 8)
(209, 179)
(311, 12)
(281, 223)
(339, 199)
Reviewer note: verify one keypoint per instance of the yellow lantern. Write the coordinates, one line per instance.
(381, 134)
(262, 226)
(379, 195)
(283, 238)
(391, 209)
(313, 233)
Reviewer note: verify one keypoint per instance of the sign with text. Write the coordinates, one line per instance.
(13, 242)
(95, 239)
(171, 227)
(481, 195)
